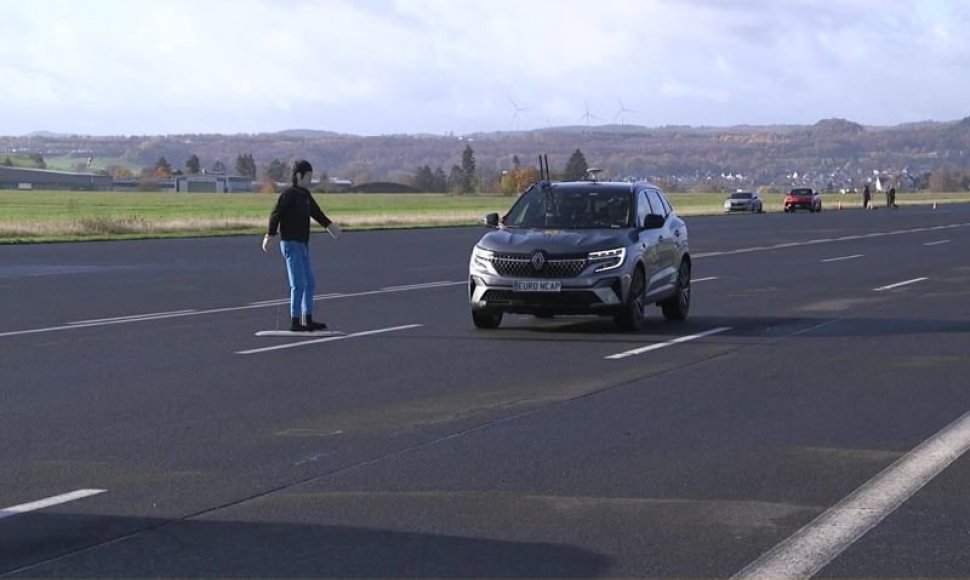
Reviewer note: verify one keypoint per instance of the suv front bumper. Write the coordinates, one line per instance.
(583, 295)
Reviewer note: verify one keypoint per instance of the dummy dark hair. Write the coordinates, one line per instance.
(301, 167)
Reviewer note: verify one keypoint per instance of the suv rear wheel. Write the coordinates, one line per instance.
(676, 307)
(631, 317)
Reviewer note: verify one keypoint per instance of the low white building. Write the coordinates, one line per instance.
(213, 184)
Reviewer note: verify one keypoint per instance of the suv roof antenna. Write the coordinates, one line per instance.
(544, 174)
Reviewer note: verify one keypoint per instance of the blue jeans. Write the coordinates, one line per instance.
(300, 273)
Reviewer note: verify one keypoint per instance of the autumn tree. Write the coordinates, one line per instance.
(517, 180)
(576, 167)
(119, 172)
(38, 160)
(163, 169)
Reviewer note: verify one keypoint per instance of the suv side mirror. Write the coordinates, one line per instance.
(653, 222)
(491, 220)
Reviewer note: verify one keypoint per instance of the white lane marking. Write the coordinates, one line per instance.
(898, 284)
(937, 243)
(828, 240)
(334, 295)
(251, 306)
(276, 301)
(841, 258)
(75, 325)
(420, 286)
(329, 339)
(695, 280)
(133, 317)
(678, 340)
(48, 502)
(811, 548)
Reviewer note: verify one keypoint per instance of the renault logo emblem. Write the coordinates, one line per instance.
(538, 261)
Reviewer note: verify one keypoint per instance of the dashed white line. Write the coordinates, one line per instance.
(329, 339)
(937, 243)
(133, 317)
(811, 548)
(251, 306)
(842, 258)
(48, 502)
(899, 284)
(707, 279)
(829, 240)
(659, 345)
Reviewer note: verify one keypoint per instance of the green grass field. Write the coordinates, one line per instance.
(45, 216)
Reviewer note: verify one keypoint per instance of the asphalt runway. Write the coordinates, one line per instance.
(147, 432)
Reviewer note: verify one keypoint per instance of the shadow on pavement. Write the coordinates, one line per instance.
(207, 549)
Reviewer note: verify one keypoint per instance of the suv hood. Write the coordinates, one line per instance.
(554, 241)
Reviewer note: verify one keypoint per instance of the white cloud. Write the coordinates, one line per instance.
(385, 66)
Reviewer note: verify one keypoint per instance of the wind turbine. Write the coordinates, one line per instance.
(588, 116)
(515, 115)
(619, 114)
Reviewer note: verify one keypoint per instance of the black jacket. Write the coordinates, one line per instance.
(292, 214)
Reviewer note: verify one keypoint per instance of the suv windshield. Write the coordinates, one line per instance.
(571, 208)
(801, 192)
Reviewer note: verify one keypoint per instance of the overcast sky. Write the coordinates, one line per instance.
(373, 67)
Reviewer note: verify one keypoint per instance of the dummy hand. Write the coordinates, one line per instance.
(334, 230)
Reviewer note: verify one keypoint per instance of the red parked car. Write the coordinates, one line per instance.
(803, 198)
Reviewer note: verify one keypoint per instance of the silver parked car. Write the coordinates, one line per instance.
(583, 247)
(744, 201)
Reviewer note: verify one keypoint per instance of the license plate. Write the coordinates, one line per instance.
(537, 286)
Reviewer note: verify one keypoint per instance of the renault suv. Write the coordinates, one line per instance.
(583, 247)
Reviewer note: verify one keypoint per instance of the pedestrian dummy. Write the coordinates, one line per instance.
(291, 217)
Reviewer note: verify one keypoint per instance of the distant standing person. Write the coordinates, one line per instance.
(866, 197)
(291, 215)
(892, 197)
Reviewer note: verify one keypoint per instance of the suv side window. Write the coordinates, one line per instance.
(657, 207)
(666, 203)
(643, 207)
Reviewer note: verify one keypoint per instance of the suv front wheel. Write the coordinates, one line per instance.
(486, 319)
(677, 306)
(631, 317)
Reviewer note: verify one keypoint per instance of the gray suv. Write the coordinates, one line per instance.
(583, 247)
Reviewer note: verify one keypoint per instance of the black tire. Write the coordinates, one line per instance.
(486, 319)
(631, 317)
(676, 307)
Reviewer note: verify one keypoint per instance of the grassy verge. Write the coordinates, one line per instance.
(43, 216)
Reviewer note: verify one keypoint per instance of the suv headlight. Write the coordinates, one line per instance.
(607, 259)
(482, 261)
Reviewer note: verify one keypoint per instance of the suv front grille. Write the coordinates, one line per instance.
(521, 266)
